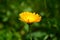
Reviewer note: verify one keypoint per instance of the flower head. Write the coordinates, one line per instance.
(29, 17)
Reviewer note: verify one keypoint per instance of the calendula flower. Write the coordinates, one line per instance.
(29, 17)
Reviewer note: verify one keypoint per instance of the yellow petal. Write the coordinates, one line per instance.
(29, 17)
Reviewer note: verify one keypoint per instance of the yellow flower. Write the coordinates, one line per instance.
(29, 17)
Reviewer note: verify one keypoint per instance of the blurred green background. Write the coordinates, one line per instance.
(11, 28)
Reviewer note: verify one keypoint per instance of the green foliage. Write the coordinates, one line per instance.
(11, 28)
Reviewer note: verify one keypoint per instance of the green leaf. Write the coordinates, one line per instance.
(37, 34)
(26, 27)
(1, 25)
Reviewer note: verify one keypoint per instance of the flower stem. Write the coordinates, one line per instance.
(30, 31)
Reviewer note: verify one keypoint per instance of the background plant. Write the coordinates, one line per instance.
(13, 29)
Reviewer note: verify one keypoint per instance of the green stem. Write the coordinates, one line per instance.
(45, 3)
(30, 31)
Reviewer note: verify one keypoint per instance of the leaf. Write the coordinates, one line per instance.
(26, 27)
(37, 34)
